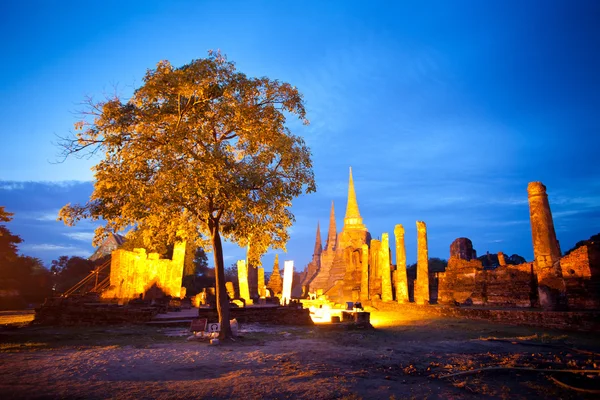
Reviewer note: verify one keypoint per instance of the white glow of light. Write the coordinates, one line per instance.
(288, 275)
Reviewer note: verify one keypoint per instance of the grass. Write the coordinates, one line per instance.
(56, 337)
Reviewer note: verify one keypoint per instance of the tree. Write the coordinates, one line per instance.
(23, 275)
(592, 241)
(437, 264)
(201, 263)
(201, 151)
(8, 241)
(35, 280)
(197, 274)
(68, 271)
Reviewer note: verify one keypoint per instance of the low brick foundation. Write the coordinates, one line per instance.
(263, 315)
(568, 320)
(75, 312)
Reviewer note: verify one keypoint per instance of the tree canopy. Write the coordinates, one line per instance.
(8, 241)
(200, 151)
(23, 279)
(68, 271)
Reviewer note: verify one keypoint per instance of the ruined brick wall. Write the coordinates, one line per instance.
(135, 273)
(510, 286)
(577, 264)
(263, 315)
(459, 283)
(466, 282)
(352, 279)
(581, 272)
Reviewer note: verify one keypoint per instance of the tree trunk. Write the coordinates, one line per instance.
(222, 297)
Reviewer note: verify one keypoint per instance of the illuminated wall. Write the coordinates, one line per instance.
(134, 272)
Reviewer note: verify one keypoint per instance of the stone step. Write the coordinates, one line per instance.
(177, 315)
(170, 322)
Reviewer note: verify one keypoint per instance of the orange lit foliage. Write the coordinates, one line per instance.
(202, 149)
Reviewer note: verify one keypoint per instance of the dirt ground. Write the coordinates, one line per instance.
(407, 356)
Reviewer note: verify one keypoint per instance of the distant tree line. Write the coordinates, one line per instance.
(594, 240)
(23, 279)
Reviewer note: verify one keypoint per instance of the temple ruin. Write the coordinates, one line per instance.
(135, 273)
(275, 284)
(551, 282)
(354, 267)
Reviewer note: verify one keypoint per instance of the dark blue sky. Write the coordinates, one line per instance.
(445, 110)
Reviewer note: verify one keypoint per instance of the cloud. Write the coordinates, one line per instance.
(42, 216)
(42, 248)
(45, 247)
(42, 199)
(12, 185)
(82, 236)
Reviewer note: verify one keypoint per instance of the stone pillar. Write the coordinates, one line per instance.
(374, 269)
(386, 273)
(252, 280)
(230, 289)
(261, 283)
(422, 282)
(501, 259)
(551, 285)
(288, 275)
(401, 279)
(243, 281)
(364, 277)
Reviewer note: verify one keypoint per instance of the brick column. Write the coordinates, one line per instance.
(551, 285)
(422, 282)
(386, 273)
(364, 277)
(401, 279)
(243, 281)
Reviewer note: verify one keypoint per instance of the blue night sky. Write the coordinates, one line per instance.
(445, 110)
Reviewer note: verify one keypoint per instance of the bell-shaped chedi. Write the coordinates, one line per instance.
(353, 236)
(321, 279)
(352, 217)
(318, 244)
(355, 233)
(275, 282)
(462, 248)
(332, 233)
(314, 266)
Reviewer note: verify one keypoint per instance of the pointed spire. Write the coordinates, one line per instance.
(318, 242)
(275, 282)
(352, 214)
(332, 234)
